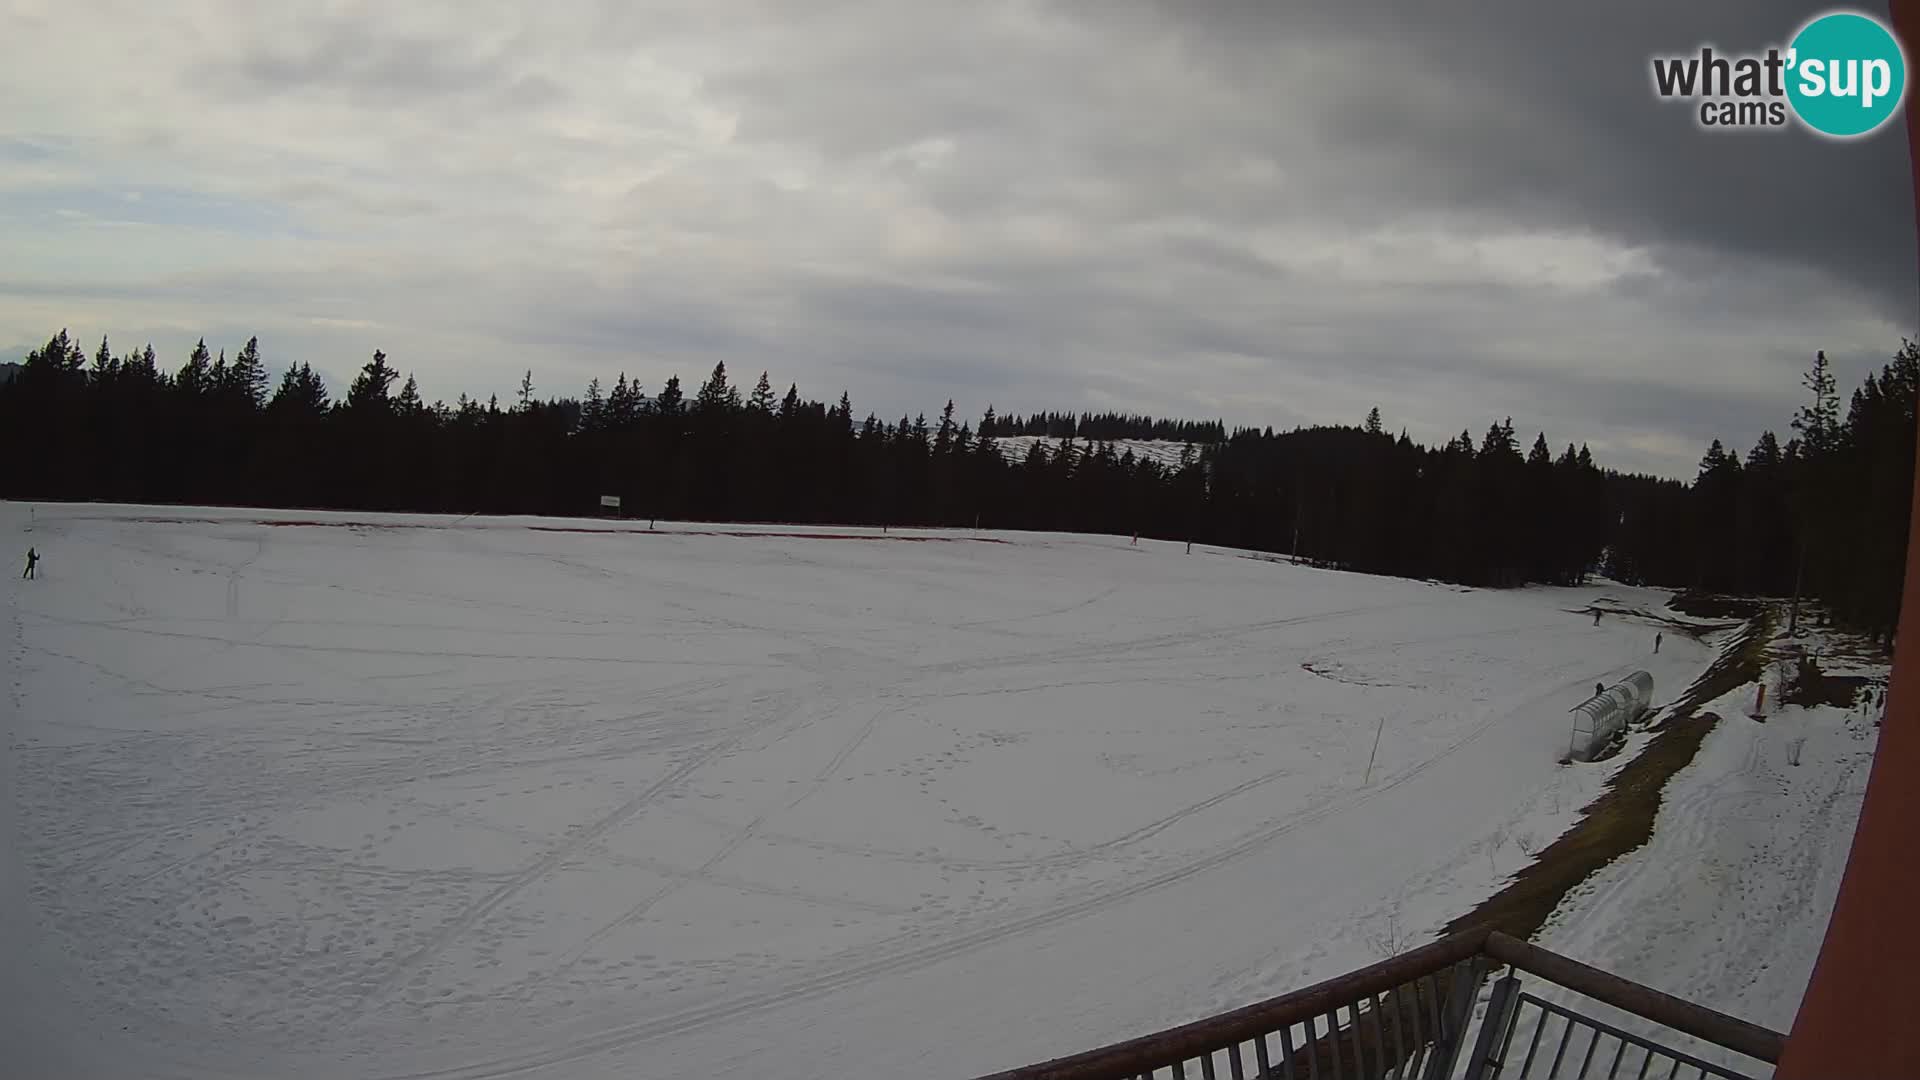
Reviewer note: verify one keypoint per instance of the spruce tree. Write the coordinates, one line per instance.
(370, 390)
(762, 400)
(408, 403)
(671, 402)
(716, 396)
(195, 376)
(247, 378)
(593, 409)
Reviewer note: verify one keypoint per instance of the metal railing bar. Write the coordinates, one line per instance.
(1562, 1052)
(1206, 1066)
(1645, 1064)
(1539, 1028)
(1495, 1025)
(1618, 1056)
(1506, 1038)
(1592, 1045)
(1664, 1009)
(1680, 1057)
(1234, 1068)
(1260, 1058)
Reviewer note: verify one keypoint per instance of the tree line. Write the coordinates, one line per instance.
(1104, 426)
(1822, 515)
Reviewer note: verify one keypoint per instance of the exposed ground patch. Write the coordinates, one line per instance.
(1693, 628)
(1621, 819)
(1703, 605)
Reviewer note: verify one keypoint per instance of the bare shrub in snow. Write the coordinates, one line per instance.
(1386, 937)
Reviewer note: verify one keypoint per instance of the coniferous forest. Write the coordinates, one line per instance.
(1823, 513)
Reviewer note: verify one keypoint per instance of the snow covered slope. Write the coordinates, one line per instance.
(1015, 448)
(300, 794)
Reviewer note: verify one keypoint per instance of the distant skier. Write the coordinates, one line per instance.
(1596, 616)
(33, 560)
(1599, 689)
(1657, 635)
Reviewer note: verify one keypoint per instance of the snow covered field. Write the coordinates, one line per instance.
(303, 794)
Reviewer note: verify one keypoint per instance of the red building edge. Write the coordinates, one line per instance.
(1865, 992)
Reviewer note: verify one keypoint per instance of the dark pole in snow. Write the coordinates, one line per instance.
(1376, 751)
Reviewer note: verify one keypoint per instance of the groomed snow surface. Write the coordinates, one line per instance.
(299, 794)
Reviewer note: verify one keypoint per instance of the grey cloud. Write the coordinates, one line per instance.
(1270, 213)
(1546, 111)
(383, 67)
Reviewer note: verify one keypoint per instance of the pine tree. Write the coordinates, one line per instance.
(716, 397)
(141, 366)
(593, 410)
(1373, 421)
(762, 400)
(195, 376)
(370, 389)
(1540, 455)
(301, 393)
(1819, 422)
(526, 391)
(60, 356)
(671, 402)
(105, 365)
(247, 378)
(408, 403)
(943, 438)
(986, 443)
(624, 405)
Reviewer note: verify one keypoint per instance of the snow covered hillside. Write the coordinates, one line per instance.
(301, 794)
(1015, 448)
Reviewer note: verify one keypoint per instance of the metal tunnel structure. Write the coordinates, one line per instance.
(1597, 720)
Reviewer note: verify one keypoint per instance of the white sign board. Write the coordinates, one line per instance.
(610, 502)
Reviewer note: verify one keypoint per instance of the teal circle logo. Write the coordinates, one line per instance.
(1846, 74)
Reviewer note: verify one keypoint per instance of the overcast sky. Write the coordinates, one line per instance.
(1269, 213)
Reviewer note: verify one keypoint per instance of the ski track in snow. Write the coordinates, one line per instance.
(490, 797)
